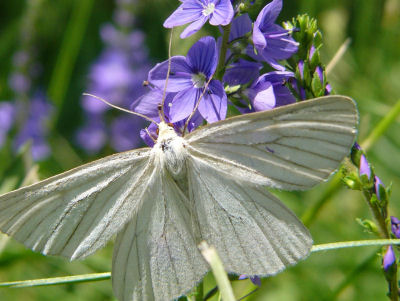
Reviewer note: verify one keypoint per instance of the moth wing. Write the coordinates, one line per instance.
(253, 232)
(292, 147)
(75, 213)
(156, 255)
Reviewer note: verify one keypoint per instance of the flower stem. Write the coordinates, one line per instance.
(380, 217)
(222, 54)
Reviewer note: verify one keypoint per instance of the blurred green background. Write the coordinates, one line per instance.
(64, 35)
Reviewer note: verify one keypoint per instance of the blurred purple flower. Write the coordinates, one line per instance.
(125, 132)
(7, 115)
(19, 82)
(395, 224)
(198, 12)
(255, 279)
(93, 136)
(34, 128)
(188, 77)
(116, 76)
(271, 40)
(269, 91)
(389, 259)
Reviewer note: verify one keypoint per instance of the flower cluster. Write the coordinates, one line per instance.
(216, 74)
(116, 76)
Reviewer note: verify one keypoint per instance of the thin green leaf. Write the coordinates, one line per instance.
(69, 51)
(381, 128)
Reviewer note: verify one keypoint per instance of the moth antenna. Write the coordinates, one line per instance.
(119, 108)
(197, 104)
(161, 112)
(338, 55)
(148, 133)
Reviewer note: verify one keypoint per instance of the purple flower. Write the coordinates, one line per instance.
(364, 167)
(19, 82)
(271, 40)
(7, 115)
(389, 259)
(255, 279)
(395, 222)
(34, 128)
(111, 78)
(188, 78)
(92, 136)
(198, 12)
(269, 91)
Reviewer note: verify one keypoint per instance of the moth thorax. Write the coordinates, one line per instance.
(174, 156)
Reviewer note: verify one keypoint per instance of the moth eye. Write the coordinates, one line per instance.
(158, 131)
(170, 124)
(145, 83)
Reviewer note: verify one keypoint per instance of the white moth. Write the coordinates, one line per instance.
(209, 185)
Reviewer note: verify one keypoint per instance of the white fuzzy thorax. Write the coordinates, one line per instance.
(170, 149)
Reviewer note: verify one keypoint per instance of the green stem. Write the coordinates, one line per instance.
(222, 54)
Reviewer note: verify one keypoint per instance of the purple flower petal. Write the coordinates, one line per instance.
(183, 104)
(148, 103)
(378, 184)
(262, 96)
(272, 41)
(187, 12)
(395, 222)
(213, 106)
(364, 167)
(389, 259)
(152, 130)
(240, 27)
(260, 91)
(268, 15)
(197, 12)
(223, 13)
(202, 56)
(242, 72)
(180, 77)
(194, 27)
